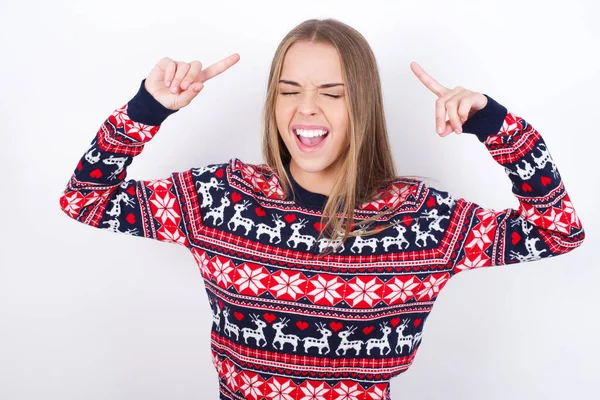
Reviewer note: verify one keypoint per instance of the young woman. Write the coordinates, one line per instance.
(321, 265)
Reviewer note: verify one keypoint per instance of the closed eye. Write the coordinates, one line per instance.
(326, 94)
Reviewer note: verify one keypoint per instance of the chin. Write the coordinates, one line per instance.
(315, 165)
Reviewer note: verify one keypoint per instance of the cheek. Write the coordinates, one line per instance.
(279, 120)
(342, 122)
(340, 118)
(282, 115)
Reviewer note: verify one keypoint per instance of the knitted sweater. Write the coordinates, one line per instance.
(285, 324)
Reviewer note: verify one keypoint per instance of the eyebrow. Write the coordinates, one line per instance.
(325, 85)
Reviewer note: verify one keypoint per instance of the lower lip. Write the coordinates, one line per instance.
(310, 149)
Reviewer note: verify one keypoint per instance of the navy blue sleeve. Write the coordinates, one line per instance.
(146, 109)
(486, 121)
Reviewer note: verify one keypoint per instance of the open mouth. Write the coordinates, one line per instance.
(310, 143)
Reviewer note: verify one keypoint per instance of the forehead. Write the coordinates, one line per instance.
(312, 64)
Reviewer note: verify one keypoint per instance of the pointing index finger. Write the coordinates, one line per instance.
(218, 67)
(427, 80)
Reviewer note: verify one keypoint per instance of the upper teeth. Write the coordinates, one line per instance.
(310, 132)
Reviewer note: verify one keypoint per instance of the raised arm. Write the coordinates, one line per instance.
(545, 223)
(98, 193)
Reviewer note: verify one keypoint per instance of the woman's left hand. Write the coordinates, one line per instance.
(460, 103)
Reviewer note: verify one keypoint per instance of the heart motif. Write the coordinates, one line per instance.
(407, 220)
(269, 317)
(546, 181)
(235, 197)
(335, 325)
(260, 212)
(526, 187)
(219, 173)
(79, 165)
(515, 238)
(96, 173)
(319, 226)
(395, 321)
(131, 190)
(130, 218)
(289, 218)
(417, 321)
(302, 325)
(431, 202)
(238, 315)
(368, 329)
(220, 304)
(121, 176)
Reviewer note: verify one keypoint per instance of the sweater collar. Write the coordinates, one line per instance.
(304, 196)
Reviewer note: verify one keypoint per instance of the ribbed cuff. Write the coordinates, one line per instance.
(145, 109)
(486, 121)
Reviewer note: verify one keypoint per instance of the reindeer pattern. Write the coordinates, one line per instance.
(287, 323)
(291, 230)
(274, 333)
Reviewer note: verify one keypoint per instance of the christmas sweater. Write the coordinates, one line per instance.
(287, 324)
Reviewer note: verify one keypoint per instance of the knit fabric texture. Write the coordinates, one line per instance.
(287, 324)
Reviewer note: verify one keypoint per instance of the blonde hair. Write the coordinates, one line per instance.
(367, 162)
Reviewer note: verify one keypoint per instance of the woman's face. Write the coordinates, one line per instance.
(302, 102)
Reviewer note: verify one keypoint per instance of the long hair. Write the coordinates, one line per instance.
(367, 161)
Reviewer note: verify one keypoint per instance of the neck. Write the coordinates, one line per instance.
(320, 182)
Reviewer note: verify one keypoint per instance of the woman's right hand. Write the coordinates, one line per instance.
(174, 84)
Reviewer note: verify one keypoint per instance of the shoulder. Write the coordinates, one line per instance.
(435, 198)
(394, 194)
(232, 167)
(408, 194)
(248, 169)
(259, 179)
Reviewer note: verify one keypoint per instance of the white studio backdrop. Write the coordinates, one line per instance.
(88, 314)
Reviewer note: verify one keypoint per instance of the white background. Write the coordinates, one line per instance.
(88, 314)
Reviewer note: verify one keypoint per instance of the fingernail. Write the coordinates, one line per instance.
(440, 130)
(168, 83)
(459, 131)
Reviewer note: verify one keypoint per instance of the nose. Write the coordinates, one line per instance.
(308, 104)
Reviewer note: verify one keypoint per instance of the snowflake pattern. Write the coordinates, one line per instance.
(291, 326)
